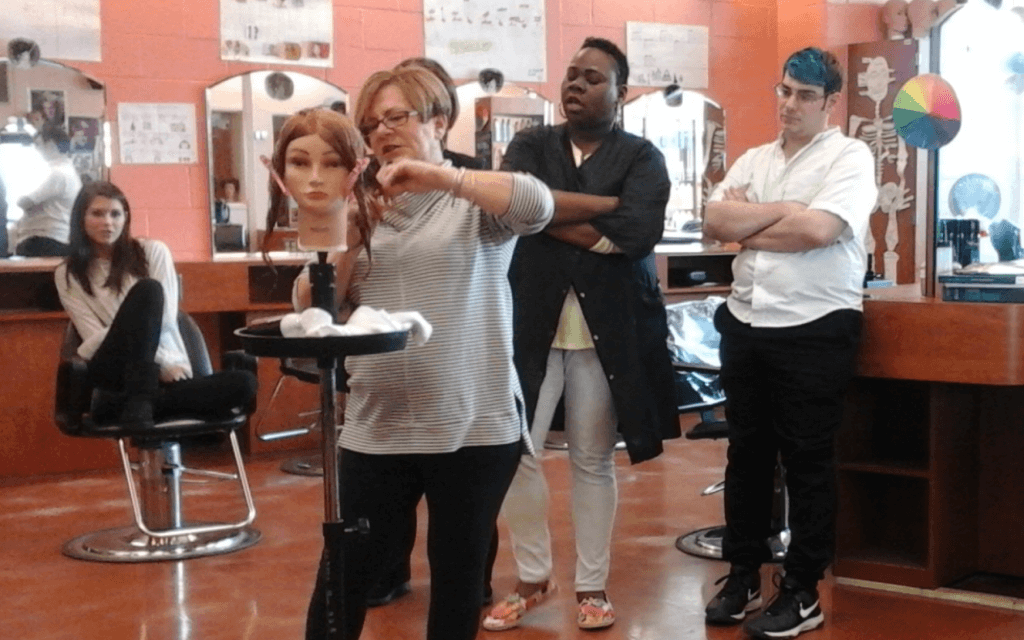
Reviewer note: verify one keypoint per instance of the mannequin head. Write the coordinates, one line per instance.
(343, 139)
(895, 19)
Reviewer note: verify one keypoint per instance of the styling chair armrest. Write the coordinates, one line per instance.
(74, 395)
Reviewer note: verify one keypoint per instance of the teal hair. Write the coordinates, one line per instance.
(815, 67)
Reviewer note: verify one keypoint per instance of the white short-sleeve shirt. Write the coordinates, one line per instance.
(832, 173)
(50, 216)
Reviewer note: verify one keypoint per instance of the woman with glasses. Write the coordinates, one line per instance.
(442, 420)
(395, 582)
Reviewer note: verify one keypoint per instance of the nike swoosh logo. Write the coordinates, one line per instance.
(809, 610)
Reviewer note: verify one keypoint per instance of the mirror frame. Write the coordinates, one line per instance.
(19, 104)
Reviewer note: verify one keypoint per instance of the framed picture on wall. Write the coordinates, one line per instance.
(83, 132)
(5, 93)
(50, 103)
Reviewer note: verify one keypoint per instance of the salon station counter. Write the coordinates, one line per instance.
(929, 458)
(221, 296)
(930, 479)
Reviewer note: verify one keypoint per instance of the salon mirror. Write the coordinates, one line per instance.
(689, 129)
(29, 97)
(462, 136)
(244, 113)
(981, 54)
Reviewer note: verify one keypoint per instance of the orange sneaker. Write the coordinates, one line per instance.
(510, 610)
(595, 613)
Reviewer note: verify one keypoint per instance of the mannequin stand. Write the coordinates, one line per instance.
(330, 352)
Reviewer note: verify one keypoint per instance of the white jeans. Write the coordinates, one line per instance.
(590, 427)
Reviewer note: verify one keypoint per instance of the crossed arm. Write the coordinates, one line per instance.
(784, 227)
(573, 212)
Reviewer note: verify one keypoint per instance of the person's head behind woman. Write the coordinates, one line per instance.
(342, 136)
(126, 254)
(436, 68)
(404, 113)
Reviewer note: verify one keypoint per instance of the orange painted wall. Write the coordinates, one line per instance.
(168, 51)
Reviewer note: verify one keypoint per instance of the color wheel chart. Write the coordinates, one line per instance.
(926, 112)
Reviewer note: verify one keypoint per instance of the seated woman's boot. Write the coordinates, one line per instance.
(141, 384)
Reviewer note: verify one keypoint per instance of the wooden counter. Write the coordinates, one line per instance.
(928, 459)
(909, 337)
(221, 296)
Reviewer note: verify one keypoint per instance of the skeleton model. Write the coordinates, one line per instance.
(880, 135)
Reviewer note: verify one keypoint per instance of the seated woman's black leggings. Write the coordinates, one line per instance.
(132, 338)
(131, 343)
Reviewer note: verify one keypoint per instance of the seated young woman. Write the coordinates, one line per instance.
(122, 296)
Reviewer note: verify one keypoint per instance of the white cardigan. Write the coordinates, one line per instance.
(92, 314)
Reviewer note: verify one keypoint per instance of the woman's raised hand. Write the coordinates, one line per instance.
(416, 176)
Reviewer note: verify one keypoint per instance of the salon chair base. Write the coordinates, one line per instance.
(311, 465)
(707, 543)
(160, 531)
(129, 544)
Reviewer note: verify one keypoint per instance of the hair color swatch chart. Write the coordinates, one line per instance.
(278, 31)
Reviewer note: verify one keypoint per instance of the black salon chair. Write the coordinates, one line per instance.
(698, 391)
(707, 542)
(160, 531)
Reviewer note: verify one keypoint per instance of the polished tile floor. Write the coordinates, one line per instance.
(261, 593)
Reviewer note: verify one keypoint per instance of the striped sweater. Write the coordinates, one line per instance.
(444, 257)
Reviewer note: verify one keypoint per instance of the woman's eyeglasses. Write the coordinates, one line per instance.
(805, 96)
(390, 120)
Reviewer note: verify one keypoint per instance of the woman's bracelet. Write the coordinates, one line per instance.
(460, 176)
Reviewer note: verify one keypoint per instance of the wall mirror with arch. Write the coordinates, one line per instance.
(689, 129)
(244, 113)
(32, 95)
(463, 134)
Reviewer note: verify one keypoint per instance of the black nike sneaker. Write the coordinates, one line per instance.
(740, 595)
(794, 610)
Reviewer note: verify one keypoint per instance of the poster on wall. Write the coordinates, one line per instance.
(469, 36)
(85, 147)
(277, 31)
(64, 29)
(663, 54)
(47, 106)
(157, 133)
(5, 92)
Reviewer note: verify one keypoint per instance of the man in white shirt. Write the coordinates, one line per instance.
(44, 229)
(799, 209)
